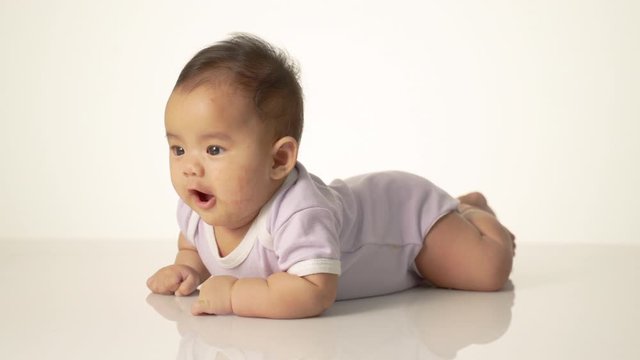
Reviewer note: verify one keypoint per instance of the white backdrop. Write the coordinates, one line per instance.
(535, 103)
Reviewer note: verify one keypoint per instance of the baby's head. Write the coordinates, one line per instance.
(233, 121)
(263, 73)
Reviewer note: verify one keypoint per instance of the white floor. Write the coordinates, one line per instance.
(88, 300)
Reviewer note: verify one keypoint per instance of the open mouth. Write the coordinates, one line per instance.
(202, 196)
(203, 199)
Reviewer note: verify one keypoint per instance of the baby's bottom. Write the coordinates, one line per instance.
(467, 249)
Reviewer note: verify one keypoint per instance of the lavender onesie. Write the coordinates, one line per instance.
(368, 229)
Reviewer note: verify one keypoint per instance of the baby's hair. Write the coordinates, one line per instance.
(265, 73)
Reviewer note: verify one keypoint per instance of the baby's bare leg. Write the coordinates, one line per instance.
(476, 199)
(467, 249)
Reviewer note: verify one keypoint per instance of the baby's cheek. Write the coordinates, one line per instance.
(248, 191)
(246, 180)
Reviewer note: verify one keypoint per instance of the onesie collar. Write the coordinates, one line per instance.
(257, 231)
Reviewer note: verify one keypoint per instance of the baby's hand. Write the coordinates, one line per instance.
(215, 296)
(180, 280)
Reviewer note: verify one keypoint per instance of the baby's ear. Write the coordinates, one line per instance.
(284, 155)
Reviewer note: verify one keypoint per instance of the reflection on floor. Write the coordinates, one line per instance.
(73, 300)
(415, 324)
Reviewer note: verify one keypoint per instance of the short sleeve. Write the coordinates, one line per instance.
(307, 243)
(187, 221)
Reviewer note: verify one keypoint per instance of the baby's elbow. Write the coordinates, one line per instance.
(291, 297)
(319, 303)
(322, 292)
(303, 307)
(326, 302)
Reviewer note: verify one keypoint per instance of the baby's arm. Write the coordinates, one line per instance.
(183, 277)
(281, 295)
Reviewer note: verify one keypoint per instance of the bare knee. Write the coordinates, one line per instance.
(495, 273)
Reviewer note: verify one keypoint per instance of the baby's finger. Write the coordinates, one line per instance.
(163, 284)
(187, 286)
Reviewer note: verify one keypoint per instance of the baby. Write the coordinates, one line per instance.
(263, 237)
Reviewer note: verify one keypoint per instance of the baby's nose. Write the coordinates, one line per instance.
(193, 169)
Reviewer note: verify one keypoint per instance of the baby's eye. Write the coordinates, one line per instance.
(177, 150)
(214, 150)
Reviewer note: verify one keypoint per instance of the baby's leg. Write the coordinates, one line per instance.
(467, 249)
(476, 199)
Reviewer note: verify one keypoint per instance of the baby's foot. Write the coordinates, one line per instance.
(478, 200)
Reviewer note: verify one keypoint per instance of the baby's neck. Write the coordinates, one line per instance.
(228, 239)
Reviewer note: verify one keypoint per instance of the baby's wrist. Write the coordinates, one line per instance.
(225, 286)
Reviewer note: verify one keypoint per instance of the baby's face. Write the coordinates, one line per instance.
(220, 155)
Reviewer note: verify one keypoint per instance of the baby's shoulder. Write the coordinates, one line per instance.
(307, 196)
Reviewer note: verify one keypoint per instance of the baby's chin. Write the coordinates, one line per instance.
(220, 214)
(229, 222)
(215, 220)
(208, 218)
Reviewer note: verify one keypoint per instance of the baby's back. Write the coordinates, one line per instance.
(386, 216)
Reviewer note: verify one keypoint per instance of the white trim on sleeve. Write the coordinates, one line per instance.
(315, 266)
